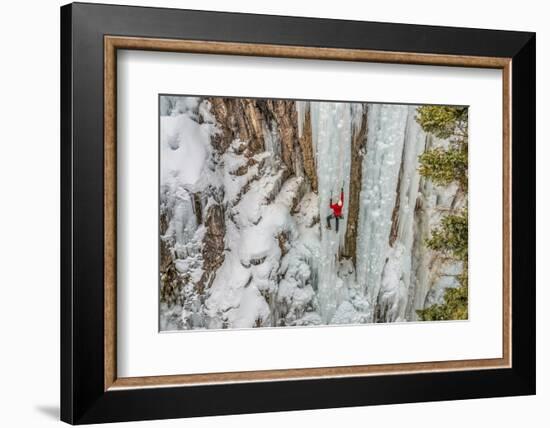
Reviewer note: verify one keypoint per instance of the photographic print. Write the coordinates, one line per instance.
(286, 213)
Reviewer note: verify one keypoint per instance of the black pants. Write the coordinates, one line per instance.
(332, 216)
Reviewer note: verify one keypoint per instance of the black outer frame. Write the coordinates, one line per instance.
(83, 399)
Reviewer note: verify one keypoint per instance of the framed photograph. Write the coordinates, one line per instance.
(266, 213)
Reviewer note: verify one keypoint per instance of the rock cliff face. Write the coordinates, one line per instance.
(244, 193)
(358, 149)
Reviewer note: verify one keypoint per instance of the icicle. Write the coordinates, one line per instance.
(272, 141)
(301, 109)
(331, 133)
(399, 275)
(385, 139)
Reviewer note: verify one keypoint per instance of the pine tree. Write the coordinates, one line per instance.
(444, 166)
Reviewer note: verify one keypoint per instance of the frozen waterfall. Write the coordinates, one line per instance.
(389, 194)
(390, 187)
(331, 132)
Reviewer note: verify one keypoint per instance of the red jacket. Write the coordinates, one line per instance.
(337, 209)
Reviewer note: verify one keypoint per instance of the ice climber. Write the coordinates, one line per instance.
(336, 210)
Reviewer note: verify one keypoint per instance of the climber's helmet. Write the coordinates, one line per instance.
(340, 203)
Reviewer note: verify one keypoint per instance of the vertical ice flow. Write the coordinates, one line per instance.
(331, 132)
(399, 275)
(385, 139)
